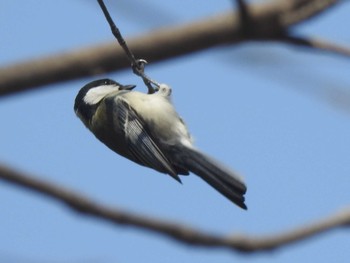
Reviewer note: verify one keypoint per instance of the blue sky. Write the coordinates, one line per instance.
(277, 114)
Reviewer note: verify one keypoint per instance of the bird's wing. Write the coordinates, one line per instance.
(140, 142)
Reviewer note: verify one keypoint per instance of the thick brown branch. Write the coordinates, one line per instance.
(268, 18)
(178, 232)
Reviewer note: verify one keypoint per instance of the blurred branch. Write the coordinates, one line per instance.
(268, 19)
(244, 15)
(302, 10)
(184, 234)
(315, 44)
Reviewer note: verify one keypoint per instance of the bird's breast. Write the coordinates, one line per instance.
(161, 117)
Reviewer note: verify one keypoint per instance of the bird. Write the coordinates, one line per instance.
(146, 129)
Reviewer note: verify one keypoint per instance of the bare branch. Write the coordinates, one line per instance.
(156, 46)
(316, 44)
(184, 234)
(302, 10)
(247, 27)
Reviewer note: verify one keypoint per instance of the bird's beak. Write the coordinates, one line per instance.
(127, 87)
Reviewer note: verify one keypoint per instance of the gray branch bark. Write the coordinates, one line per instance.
(270, 20)
(180, 233)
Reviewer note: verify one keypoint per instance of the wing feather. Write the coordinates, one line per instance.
(140, 142)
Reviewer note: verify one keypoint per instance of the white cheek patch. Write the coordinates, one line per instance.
(95, 95)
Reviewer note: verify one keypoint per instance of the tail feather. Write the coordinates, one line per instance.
(222, 179)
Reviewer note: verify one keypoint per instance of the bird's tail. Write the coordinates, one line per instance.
(221, 178)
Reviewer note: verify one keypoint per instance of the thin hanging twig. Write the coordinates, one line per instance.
(245, 18)
(137, 65)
